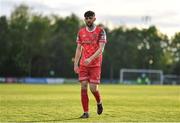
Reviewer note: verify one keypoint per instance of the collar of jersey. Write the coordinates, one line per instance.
(92, 30)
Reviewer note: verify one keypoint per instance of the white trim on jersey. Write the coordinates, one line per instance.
(92, 30)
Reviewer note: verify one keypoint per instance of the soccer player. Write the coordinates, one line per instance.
(91, 41)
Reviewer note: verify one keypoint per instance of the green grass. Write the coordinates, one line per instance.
(61, 103)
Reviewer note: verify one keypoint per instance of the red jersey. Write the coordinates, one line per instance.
(90, 40)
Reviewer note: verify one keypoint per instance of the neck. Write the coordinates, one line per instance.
(91, 27)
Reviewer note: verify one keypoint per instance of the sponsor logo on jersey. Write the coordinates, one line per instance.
(87, 42)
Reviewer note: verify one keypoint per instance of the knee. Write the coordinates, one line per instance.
(83, 85)
(93, 89)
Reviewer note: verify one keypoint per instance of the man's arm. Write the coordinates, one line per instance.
(96, 54)
(77, 57)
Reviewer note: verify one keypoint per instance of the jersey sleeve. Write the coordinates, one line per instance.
(102, 36)
(78, 39)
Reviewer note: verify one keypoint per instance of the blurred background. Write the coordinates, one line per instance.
(38, 40)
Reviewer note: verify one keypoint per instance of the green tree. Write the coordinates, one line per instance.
(134, 48)
(62, 45)
(175, 51)
(150, 50)
(4, 45)
(18, 30)
(35, 52)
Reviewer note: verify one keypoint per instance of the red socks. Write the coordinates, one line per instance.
(85, 100)
(97, 96)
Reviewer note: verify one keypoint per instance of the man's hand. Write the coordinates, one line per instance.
(76, 69)
(87, 61)
(95, 55)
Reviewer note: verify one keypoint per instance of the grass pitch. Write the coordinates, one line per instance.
(61, 103)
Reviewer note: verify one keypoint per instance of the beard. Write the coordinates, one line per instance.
(89, 25)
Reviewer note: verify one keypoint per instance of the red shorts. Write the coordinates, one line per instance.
(90, 74)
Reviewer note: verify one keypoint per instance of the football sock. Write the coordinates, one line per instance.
(84, 100)
(97, 96)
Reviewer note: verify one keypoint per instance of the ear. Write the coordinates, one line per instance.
(94, 18)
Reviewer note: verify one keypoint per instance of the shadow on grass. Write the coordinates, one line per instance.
(58, 120)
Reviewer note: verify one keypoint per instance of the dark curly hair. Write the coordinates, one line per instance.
(89, 13)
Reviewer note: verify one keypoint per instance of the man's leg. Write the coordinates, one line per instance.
(84, 99)
(83, 78)
(95, 92)
(95, 75)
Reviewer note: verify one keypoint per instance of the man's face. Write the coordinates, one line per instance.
(90, 20)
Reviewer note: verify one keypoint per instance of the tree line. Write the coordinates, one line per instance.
(36, 45)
